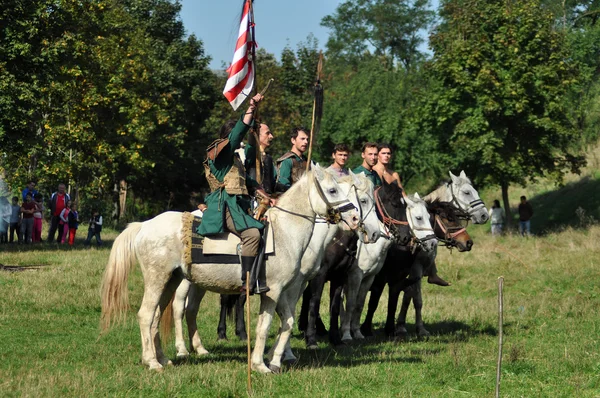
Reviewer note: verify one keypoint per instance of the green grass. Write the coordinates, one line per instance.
(50, 344)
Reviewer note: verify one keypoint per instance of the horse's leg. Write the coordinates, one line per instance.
(376, 292)
(240, 320)
(287, 323)
(178, 312)
(268, 303)
(408, 296)
(418, 303)
(335, 302)
(365, 285)
(303, 319)
(191, 312)
(288, 355)
(153, 292)
(351, 289)
(316, 289)
(165, 299)
(394, 293)
(222, 328)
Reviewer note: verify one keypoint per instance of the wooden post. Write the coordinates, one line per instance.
(249, 386)
(500, 334)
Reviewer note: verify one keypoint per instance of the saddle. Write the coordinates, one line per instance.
(221, 248)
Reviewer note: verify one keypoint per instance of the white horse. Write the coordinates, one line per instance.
(460, 192)
(357, 185)
(158, 246)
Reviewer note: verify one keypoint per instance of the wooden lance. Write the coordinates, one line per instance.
(317, 112)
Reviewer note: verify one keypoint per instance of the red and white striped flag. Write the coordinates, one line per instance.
(241, 72)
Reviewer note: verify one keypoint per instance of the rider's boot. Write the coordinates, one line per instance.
(259, 283)
(436, 280)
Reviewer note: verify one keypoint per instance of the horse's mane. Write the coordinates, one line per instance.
(446, 209)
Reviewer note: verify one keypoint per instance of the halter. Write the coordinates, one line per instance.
(469, 208)
(361, 226)
(389, 222)
(449, 232)
(419, 241)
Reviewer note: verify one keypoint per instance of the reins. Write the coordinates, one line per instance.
(448, 235)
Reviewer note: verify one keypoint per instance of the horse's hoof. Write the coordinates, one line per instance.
(157, 367)
(261, 368)
(357, 335)
(423, 334)
(347, 337)
(182, 355)
(312, 346)
(290, 361)
(275, 369)
(222, 338)
(243, 337)
(202, 351)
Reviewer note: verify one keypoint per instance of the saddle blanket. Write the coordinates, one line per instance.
(222, 248)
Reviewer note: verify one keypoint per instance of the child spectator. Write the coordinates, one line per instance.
(15, 221)
(27, 210)
(64, 222)
(38, 215)
(73, 224)
(95, 228)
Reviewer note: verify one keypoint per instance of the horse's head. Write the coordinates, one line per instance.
(418, 218)
(447, 226)
(362, 188)
(330, 198)
(466, 198)
(391, 209)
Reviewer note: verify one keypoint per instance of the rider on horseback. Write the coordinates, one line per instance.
(229, 200)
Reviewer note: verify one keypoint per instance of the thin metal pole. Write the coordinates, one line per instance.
(500, 334)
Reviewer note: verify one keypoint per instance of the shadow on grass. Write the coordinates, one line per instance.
(557, 209)
(376, 349)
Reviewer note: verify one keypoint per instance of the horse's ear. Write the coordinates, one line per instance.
(453, 177)
(463, 175)
(417, 195)
(319, 172)
(355, 178)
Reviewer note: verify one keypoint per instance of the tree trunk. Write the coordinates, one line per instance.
(507, 212)
(122, 199)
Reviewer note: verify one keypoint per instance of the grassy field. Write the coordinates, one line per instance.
(50, 344)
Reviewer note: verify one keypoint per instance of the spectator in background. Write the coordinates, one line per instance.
(5, 213)
(15, 220)
(64, 222)
(525, 214)
(95, 227)
(57, 203)
(29, 189)
(497, 218)
(27, 210)
(38, 215)
(73, 224)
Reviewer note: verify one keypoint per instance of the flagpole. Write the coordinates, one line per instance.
(317, 111)
(258, 179)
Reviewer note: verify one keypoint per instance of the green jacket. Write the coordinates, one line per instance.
(284, 175)
(371, 175)
(213, 219)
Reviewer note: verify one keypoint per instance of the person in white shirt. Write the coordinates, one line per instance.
(497, 218)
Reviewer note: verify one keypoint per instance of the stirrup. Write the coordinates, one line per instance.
(259, 289)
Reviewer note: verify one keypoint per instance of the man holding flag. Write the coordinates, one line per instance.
(229, 200)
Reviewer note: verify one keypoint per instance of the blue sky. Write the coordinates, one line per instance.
(278, 23)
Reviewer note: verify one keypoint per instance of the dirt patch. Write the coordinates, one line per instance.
(18, 268)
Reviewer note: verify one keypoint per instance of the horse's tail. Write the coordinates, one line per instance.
(231, 303)
(167, 322)
(115, 297)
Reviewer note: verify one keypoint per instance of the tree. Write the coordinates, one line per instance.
(505, 71)
(391, 29)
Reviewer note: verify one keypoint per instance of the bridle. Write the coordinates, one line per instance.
(334, 209)
(391, 224)
(467, 209)
(450, 233)
(362, 217)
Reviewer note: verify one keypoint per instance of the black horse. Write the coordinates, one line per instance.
(338, 258)
(403, 268)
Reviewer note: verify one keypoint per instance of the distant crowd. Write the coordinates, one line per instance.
(26, 219)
